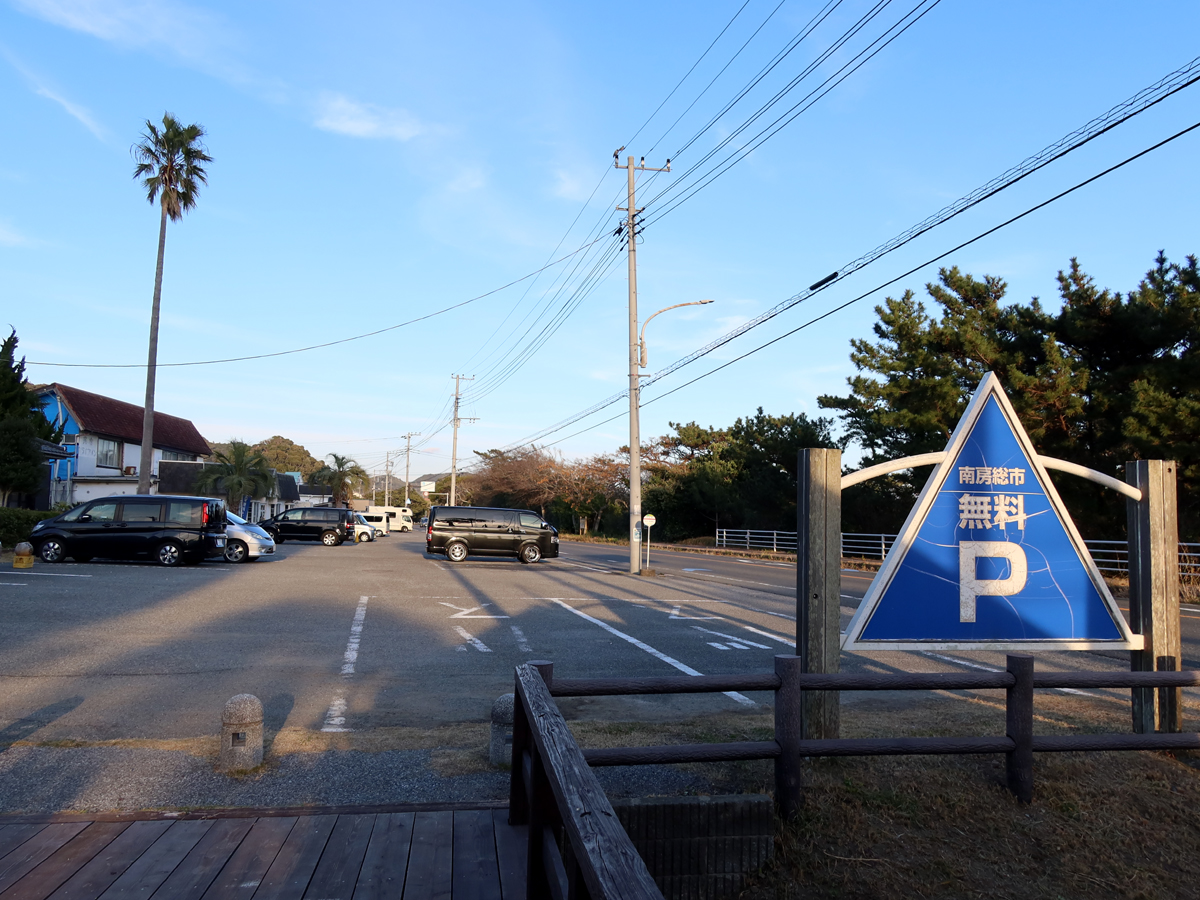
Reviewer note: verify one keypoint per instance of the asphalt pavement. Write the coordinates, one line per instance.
(363, 638)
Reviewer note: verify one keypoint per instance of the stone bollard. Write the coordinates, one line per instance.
(241, 734)
(499, 749)
(23, 555)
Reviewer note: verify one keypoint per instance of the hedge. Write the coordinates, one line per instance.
(17, 524)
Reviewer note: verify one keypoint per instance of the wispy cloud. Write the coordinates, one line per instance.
(341, 115)
(184, 33)
(42, 89)
(10, 237)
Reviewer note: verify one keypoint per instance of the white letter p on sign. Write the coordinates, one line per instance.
(970, 587)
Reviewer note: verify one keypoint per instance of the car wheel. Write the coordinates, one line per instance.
(330, 539)
(530, 553)
(456, 552)
(236, 551)
(277, 538)
(169, 553)
(52, 550)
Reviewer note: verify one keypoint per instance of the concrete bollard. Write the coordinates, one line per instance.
(23, 555)
(499, 749)
(241, 734)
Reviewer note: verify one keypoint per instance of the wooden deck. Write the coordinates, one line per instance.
(463, 854)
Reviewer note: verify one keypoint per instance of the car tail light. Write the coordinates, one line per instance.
(429, 532)
(203, 513)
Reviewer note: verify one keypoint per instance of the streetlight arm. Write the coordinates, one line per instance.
(642, 336)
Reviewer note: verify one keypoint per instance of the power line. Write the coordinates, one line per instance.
(603, 404)
(357, 337)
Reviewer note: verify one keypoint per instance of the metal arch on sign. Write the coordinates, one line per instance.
(989, 557)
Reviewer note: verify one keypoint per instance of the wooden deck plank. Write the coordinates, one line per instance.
(245, 869)
(476, 873)
(40, 880)
(337, 871)
(13, 836)
(154, 866)
(98, 873)
(33, 851)
(510, 855)
(293, 867)
(431, 858)
(197, 870)
(386, 862)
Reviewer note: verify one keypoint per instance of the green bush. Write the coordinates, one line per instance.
(17, 524)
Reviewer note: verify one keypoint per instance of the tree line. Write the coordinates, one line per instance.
(1103, 378)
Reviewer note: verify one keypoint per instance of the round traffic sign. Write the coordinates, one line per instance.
(649, 520)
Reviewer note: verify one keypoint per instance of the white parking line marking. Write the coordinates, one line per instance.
(335, 716)
(473, 641)
(972, 665)
(718, 646)
(522, 644)
(768, 634)
(685, 669)
(356, 627)
(730, 637)
(465, 612)
(675, 615)
(13, 584)
(47, 574)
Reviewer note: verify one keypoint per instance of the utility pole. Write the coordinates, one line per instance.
(407, 452)
(387, 479)
(635, 438)
(454, 443)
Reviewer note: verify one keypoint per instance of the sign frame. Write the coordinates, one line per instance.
(852, 639)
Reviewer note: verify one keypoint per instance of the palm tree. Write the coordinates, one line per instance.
(242, 472)
(170, 166)
(344, 475)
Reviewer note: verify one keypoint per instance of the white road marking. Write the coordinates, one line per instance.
(13, 584)
(697, 570)
(356, 627)
(522, 644)
(579, 565)
(685, 669)
(473, 641)
(675, 615)
(465, 612)
(972, 665)
(730, 637)
(47, 574)
(718, 646)
(335, 716)
(768, 634)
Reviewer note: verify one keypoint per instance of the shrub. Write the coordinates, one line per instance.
(705, 540)
(17, 524)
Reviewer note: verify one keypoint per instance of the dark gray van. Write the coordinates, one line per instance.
(170, 530)
(458, 531)
(327, 524)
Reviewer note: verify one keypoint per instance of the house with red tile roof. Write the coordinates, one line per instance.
(104, 437)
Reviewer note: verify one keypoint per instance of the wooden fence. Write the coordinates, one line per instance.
(538, 724)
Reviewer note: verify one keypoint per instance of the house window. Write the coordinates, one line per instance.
(108, 453)
(69, 439)
(177, 455)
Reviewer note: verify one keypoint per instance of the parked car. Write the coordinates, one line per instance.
(170, 530)
(458, 531)
(245, 541)
(363, 530)
(329, 525)
(381, 521)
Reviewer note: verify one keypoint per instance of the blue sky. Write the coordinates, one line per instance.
(374, 163)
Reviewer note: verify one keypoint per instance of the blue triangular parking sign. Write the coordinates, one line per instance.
(989, 557)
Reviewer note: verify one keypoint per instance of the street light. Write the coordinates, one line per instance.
(635, 446)
(642, 338)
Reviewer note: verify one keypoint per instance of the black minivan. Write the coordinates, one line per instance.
(327, 524)
(458, 531)
(170, 530)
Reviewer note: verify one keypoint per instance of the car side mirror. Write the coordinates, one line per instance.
(85, 518)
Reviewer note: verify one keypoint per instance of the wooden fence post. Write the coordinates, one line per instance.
(1154, 591)
(1018, 710)
(789, 700)
(522, 743)
(819, 583)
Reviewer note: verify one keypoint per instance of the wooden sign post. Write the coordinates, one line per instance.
(1154, 591)
(819, 583)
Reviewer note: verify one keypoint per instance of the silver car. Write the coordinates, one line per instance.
(245, 541)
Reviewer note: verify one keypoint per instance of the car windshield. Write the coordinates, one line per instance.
(235, 518)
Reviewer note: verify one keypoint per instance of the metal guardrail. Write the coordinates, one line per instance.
(1111, 557)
